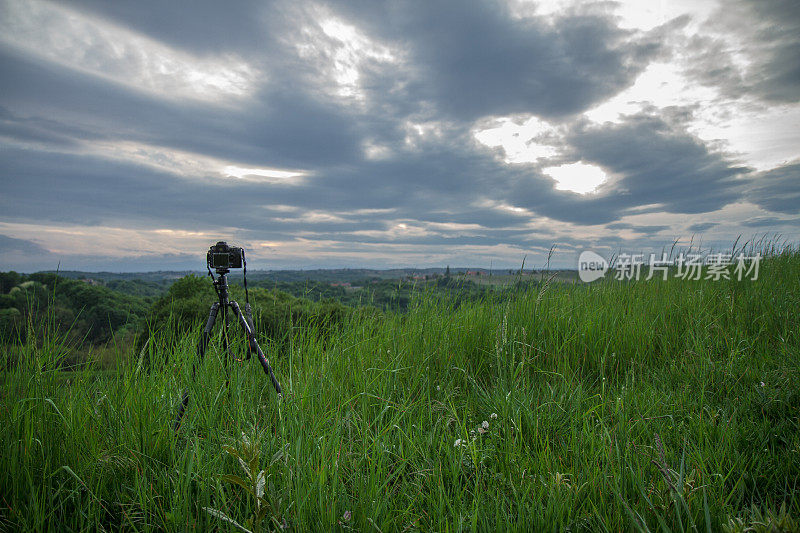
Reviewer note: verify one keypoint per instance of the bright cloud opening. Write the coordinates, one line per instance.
(97, 47)
(341, 52)
(189, 165)
(185, 164)
(577, 177)
(522, 142)
(243, 173)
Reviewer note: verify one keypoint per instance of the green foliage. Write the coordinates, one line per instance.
(275, 313)
(247, 453)
(149, 290)
(9, 280)
(88, 312)
(641, 406)
(10, 323)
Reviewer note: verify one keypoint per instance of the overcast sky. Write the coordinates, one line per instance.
(133, 135)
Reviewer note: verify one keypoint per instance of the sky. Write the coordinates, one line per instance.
(364, 134)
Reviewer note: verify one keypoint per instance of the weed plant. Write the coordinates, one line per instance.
(651, 405)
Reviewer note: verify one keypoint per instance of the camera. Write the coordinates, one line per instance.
(223, 256)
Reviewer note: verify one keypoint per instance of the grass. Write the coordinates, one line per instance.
(661, 405)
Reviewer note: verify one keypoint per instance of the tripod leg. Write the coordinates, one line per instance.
(253, 346)
(206, 336)
(201, 350)
(248, 314)
(225, 344)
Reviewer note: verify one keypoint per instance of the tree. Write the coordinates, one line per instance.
(10, 321)
(9, 280)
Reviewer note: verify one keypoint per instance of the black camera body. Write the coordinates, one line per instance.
(223, 256)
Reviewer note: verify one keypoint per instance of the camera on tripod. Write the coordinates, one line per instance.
(223, 256)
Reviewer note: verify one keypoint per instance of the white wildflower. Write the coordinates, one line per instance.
(493, 416)
(485, 424)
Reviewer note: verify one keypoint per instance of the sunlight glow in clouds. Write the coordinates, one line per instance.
(97, 47)
(577, 177)
(341, 51)
(761, 138)
(185, 164)
(242, 173)
(633, 14)
(521, 141)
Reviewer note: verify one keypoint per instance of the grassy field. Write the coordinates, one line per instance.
(506, 279)
(662, 405)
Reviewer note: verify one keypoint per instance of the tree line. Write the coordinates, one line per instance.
(91, 312)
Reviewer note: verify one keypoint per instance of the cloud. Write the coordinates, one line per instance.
(98, 48)
(11, 245)
(637, 229)
(749, 49)
(764, 222)
(659, 163)
(702, 226)
(484, 60)
(37, 131)
(779, 189)
(361, 129)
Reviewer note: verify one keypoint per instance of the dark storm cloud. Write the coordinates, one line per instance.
(477, 59)
(635, 228)
(85, 189)
(457, 62)
(92, 191)
(650, 162)
(482, 61)
(768, 222)
(779, 189)
(37, 131)
(435, 186)
(702, 226)
(529, 66)
(285, 129)
(777, 42)
(11, 245)
(659, 164)
(770, 31)
(468, 59)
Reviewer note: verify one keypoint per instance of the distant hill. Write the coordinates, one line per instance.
(322, 275)
(157, 276)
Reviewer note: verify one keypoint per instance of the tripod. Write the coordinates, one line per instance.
(245, 320)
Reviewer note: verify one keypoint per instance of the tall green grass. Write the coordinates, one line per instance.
(661, 405)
